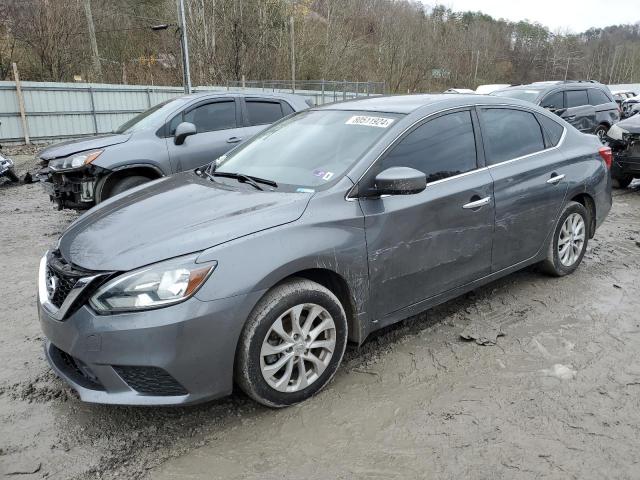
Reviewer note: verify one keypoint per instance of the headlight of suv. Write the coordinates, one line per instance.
(74, 161)
(154, 286)
(616, 132)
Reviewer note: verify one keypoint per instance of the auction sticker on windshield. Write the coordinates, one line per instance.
(380, 122)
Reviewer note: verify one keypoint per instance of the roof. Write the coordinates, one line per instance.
(409, 103)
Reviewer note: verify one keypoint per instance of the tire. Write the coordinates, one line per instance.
(621, 182)
(601, 132)
(125, 184)
(257, 372)
(11, 175)
(559, 263)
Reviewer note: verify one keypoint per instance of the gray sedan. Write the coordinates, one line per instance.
(327, 226)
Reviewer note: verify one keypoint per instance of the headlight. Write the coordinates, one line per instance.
(74, 161)
(158, 285)
(616, 132)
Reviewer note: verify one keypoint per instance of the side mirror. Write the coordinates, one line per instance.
(400, 181)
(183, 130)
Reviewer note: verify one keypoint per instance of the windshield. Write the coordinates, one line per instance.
(529, 95)
(154, 117)
(310, 149)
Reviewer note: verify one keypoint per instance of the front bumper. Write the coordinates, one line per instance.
(70, 188)
(626, 161)
(178, 355)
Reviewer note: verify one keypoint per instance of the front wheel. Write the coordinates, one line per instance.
(569, 242)
(125, 184)
(292, 344)
(601, 132)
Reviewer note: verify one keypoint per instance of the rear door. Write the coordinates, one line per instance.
(579, 112)
(529, 183)
(424, 244)
(607, 109)
(218, 126)
(259, 113)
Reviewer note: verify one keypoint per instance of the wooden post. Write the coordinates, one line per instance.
(23, 115)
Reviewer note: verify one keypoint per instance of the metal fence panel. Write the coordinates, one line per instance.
(57, 111)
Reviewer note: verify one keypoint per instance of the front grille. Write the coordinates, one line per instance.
(75, 369)
(61, 278)
(61, 286)
(150, 381)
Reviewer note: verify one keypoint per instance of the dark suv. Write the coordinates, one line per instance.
(586, 104)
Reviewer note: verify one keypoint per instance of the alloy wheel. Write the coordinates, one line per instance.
(571, 239)
(298, 347)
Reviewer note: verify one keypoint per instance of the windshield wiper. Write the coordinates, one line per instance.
(211, 173)
(238, 176)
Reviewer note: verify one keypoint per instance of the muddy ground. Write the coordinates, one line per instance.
(558, 396)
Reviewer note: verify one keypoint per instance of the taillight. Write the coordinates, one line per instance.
(607, 156)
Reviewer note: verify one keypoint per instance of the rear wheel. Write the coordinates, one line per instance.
(125, 184)
(601, 132)
(292, 344)
(569, 241)
(622, 182)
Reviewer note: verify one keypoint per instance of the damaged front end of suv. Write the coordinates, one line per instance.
(70, 181)
(624, 140)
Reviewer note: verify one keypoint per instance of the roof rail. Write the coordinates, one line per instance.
(581, 81)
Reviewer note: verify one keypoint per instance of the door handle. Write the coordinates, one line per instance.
(570, 117)
(477, 203)
(234, 139)
(555, 179)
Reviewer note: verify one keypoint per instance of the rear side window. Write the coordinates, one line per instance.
(576, 98)
(510, 134)
(441, 148)
(597, 97)
(261, 112)
(212, 116)
(555, 100)
(552, 128)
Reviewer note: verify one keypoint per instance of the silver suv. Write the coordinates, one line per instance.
(177, 135)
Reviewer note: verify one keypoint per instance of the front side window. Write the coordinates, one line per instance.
(261, 112)
(310, 149)
(441, 148)
(597, 97)
(576, 98)
(212, 116)
(554, 100)
(509, 134)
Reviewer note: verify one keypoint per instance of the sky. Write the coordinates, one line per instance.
(573, 15)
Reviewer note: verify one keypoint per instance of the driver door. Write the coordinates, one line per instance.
(219, 129)
(424, 244)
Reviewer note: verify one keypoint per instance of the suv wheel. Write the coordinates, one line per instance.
(292, 344)
(601, 132)
(622, 182)
(569, 241)
(125, 184)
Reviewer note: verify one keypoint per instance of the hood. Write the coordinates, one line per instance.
(64, 149)
(170, 217)
(631, 124)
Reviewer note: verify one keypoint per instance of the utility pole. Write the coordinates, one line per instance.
(94, 43)
(293, 55)
(566, 70)
(185, 48)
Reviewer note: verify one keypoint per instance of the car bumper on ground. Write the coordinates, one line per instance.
(178, 355)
